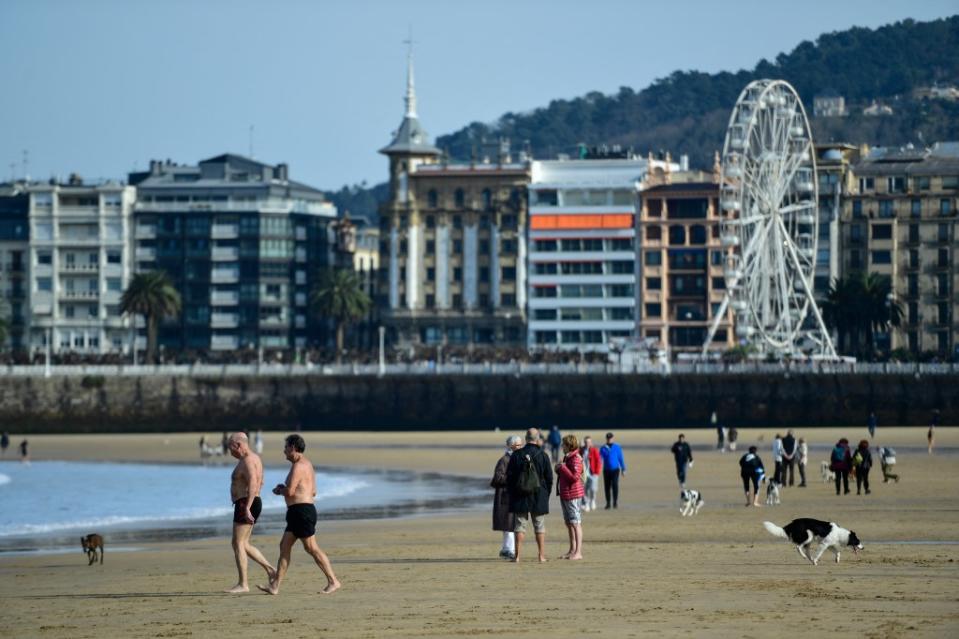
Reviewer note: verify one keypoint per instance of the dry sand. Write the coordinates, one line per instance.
(647, 571)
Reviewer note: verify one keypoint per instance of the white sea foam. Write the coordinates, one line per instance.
(4, 479)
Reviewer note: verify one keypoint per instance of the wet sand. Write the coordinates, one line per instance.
(647, 570)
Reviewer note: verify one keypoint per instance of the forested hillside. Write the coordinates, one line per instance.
(687, 111)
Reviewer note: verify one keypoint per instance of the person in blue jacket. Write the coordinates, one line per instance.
(613, 467)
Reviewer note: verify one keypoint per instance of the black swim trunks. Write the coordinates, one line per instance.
(239, 510)
(301, 520)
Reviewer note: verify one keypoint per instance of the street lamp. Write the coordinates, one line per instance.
(382, 332)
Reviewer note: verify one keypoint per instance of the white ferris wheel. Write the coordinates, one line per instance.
(769, 195)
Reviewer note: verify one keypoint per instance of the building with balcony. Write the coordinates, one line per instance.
(900, 221)
(452, 243)
(834, 171)
(14, 265)
(80, 262)
(681, 257)
(583, 271)
(243, 244)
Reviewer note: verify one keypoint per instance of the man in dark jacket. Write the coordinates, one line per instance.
(684, 458)
(530, 506)
(789, 458)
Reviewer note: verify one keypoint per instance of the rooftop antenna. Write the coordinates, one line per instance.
(26, 165)
(251, 141)
(13, 172)
(410, 91)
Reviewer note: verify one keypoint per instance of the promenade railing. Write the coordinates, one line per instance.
(454, 369)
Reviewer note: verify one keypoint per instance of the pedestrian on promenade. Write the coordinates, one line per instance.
(503, 519)
(258, 442)
(931, 433)
(733, 436)
(4, 443)
(803, 453)
(614, 466)
(789, 457)
(299, 491)
(24, 454)
(720, 432)
(683, 456)
(529, 477)
(862, 462)
(594, 466)
(871, 423)
(569, 474)
(752, 472)
(840, 462)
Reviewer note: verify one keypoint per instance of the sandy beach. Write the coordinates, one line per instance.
(647, 571)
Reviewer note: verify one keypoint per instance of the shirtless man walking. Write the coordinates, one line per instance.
(245, 485)
(299, 492)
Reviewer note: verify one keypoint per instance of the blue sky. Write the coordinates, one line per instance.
(100, 87)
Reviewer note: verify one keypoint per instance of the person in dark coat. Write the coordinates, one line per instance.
(862, 461)
(751, 470)
(789, 458)
(532, 507)
(503, 519)
(841, 463)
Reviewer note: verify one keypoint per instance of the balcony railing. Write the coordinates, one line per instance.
(224, 231)
(225, 253)
(224, 298)
(145, 232)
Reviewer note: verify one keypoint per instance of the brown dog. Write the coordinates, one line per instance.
(90, 545)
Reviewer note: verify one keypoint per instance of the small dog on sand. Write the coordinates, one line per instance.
(690, 501)
(803, 532)
(827, 475)
(772, 493)
(92, 543)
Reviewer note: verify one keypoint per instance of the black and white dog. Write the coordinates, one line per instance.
(803, 532)
(772, 493)
(690, 501)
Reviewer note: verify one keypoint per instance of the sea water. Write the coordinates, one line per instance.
(46, 503)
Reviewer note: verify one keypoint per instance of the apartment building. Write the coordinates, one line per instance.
(582, 256)
(14, 265)
(80, 262)
(681, 257)
(834, 163)
(243, 244)
(452, 243)
(900, 221)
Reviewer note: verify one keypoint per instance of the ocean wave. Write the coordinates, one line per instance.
(4, 479)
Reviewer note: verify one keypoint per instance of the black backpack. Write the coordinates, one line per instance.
(529, 476)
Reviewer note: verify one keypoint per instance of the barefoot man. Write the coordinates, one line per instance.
(245, 485)
(299, 492)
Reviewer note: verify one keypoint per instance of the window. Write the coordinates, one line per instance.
(881, 257)
(484, 247)
(616, 290)
(654, 208)
(866, 184)
(487, 200)
(622, 268)
(915, 208)
(484, 274)
(457, 274)
(654, 310)
(44, 257)
(459, 198)
(621, 245)
(457, 221)
(69, 312)
(855, 234)
(457, 246)
(430, 274)
(690, 259)
(912, 285)
(544, 291)
(922, 183)
(945, 207)
(508, 299)
(545, 268)
(114, 284)
(716, 258)
(697, 234)
(653, 258)
(943, 233)
(509, 274)
(654, 283)
(857, 208)
(430, 222)
(950, 182)
(430, 301)
(545, 337)
(914, 233)
(913, 258)
(544, 314)
(943, 261)
(44, 284)
(687, 209)
(430, 246)
(882, 232)
(508, 246)
(677, 235)
(896, 184)
(545, 197)
(719, 283)
(431, 199)
(457, 301)
(885, 208)
(544, 245)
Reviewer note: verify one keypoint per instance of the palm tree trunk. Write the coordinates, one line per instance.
(339, 342)
(151, 338)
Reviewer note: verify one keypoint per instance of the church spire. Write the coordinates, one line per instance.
(410, 88)
(410, 138)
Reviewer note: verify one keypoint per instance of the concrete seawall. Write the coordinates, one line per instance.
(164, 403)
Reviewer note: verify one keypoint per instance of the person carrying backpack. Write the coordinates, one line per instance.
(529, 478)
(840, 462)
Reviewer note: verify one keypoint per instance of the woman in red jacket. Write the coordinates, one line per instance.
(570, 472)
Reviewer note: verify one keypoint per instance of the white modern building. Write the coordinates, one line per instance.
(80, 263)
(582, 255)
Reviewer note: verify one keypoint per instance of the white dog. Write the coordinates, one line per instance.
(803, 532)
(772, 493)
(690, 501)
(827, 475)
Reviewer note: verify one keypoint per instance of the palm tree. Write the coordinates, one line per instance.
(339, 295)
(857, 307)
(880, 308)
(153, 296)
